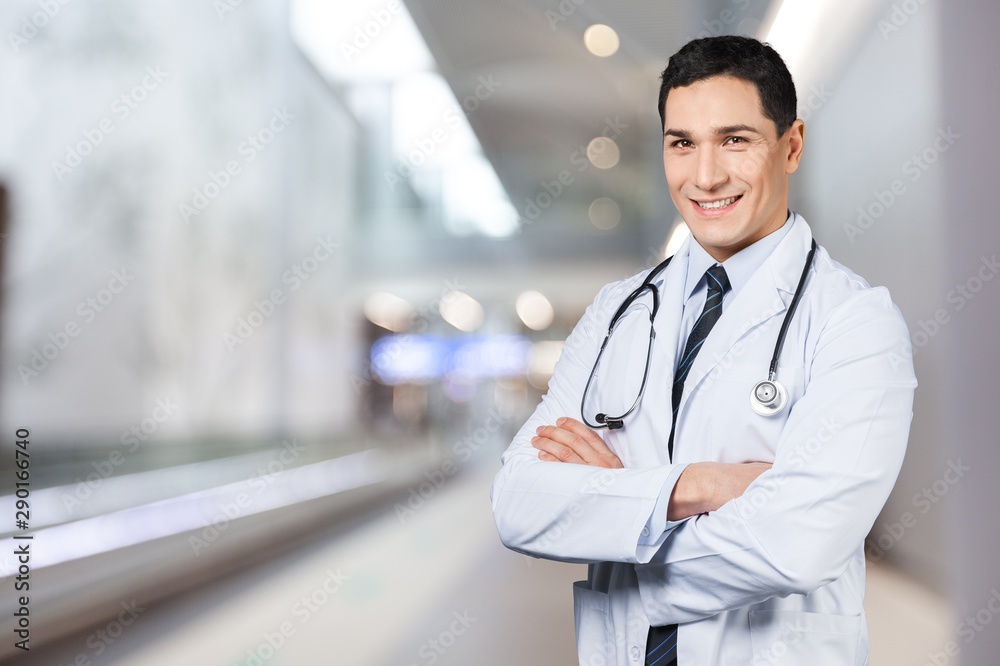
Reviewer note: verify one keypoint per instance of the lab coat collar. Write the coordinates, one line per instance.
(739, 267)
(766, 295)
(785, 263)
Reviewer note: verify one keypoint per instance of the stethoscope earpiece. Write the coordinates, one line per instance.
(768, 397)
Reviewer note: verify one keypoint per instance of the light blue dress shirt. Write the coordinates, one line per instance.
(739, 268)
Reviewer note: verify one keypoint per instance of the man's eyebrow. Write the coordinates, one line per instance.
(718, 131)
(732, 129)
(679, 133)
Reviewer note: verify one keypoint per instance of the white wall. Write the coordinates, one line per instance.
(970, 96)
(163, 335)
(882, 110)
(935, 247)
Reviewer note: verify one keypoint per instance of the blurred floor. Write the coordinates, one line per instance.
(906, 622)
(435, 588)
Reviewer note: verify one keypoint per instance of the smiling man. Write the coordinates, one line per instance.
(723, 515)
(728, 172)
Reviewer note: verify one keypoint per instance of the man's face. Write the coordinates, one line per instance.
(726, 168)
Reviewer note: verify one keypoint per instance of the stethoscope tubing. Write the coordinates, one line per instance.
(615, 422)
(779, 343)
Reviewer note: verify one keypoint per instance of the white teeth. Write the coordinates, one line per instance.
(717, 204)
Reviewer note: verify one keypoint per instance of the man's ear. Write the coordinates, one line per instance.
(795, 139)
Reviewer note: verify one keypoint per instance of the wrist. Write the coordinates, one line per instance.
(706, 486)
(693, 493)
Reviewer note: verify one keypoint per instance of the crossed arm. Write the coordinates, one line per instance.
(836, 461)
(701, 487)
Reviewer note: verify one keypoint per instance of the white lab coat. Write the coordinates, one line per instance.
(776, 576)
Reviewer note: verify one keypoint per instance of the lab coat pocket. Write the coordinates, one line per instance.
(793, 638)
(595, 634)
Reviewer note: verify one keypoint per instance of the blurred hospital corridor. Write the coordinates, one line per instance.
(438, 588)
(281, 280)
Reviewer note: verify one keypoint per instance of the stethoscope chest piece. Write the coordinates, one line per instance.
(768, 397)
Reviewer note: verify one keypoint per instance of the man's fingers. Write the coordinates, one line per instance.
(566, 445)
(605, 457)
(552, 450)
(544, 455)
(572, 441)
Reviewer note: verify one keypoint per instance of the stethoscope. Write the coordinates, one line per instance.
(767, 397)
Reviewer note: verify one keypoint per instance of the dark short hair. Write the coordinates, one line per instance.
(740, 57)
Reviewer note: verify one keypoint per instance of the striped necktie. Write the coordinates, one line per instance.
(718, 285)
(661, 643)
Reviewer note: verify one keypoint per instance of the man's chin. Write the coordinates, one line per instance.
(719, 246)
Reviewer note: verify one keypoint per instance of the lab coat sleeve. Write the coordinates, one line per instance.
(797, 526)
(578, 513)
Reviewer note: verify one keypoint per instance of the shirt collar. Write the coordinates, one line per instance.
(739, 267)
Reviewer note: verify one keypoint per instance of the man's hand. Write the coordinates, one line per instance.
(705, 486)
(701, 487)
(571, 441)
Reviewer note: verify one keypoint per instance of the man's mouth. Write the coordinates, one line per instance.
(720, 203)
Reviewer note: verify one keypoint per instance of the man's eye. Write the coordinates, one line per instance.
(681, 143)
(736, 140)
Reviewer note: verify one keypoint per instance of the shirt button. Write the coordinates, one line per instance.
(645, 533)
(635, 653)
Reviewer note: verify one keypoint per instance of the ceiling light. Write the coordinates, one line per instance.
(601, 40)
(544, 356)
(797, 27)
(603, 153)
(388, 311)
(360, 41)
(535, 310)
(605, 213)
(462, 311)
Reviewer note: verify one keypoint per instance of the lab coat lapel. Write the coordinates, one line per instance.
(668, 322)
(766, 295)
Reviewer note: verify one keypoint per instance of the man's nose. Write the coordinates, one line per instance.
(710, 171)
